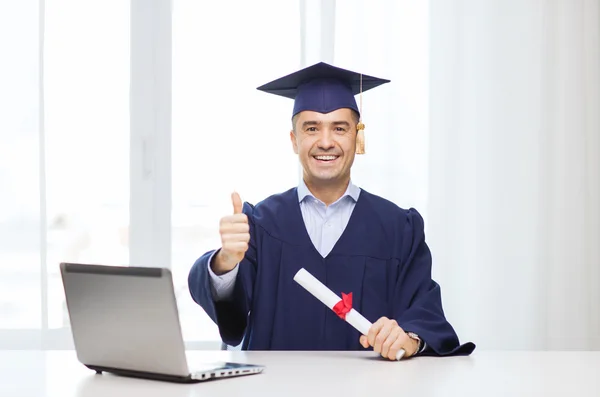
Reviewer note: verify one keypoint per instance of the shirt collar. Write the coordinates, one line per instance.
(352, 191)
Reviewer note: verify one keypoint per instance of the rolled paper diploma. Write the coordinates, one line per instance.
(330, 299)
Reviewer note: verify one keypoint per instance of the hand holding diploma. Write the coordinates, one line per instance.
(385, 336)
(388, 338)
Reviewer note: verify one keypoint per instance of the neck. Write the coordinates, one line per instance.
(328, 192)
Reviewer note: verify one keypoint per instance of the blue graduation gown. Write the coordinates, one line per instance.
(381, 257)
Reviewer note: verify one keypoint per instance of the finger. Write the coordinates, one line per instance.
(235, 246)
(237, 203)
(364, 341)
(235, 218)
(402, 342)
(234, 228)
(374, 330)
(385, 347)
(236, 238)
(382, 336)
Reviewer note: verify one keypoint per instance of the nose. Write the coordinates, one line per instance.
(326, 141)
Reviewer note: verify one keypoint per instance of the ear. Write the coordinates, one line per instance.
(294, 141)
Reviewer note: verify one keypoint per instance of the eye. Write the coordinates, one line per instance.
(311, 129)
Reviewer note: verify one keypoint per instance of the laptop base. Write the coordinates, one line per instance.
(217, 373)
(144, 375)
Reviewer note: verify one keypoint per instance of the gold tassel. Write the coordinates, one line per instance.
(360, 139)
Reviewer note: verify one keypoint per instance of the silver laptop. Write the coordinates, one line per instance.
(125, 321)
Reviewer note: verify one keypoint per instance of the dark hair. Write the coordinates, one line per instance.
(355, 117)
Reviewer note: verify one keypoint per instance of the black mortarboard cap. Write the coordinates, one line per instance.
(322, 88)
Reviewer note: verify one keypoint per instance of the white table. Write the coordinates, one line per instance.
(57, 373)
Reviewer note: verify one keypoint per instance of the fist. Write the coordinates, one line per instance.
(235, 236)
(387, 338)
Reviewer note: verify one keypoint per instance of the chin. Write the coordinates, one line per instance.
(324, 176)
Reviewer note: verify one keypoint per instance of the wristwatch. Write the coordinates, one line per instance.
(414, 336)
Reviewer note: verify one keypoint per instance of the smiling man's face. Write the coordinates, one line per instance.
(325, 145)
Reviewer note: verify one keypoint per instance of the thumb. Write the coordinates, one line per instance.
(364, 341)
(237, 203)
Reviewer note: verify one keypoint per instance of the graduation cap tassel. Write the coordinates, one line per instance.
(360, 139)
(360, 136)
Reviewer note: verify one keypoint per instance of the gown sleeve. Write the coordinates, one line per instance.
(417, 303)
(230, 315)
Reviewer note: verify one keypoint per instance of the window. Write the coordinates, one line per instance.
(86, 99)
(64, 153)
(226, 134)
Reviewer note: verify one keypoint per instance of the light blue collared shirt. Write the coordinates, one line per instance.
(325, 224)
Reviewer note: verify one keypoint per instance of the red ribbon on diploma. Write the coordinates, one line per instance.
(344, 306)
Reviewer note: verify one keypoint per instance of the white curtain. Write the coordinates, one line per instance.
(389, 40)
(490, 128)
(20, 116)
(514, 219)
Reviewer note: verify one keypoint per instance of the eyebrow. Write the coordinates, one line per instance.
(347, 124)
(312, 123)
(308, 123)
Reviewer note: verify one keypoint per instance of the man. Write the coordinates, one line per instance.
(351, 240)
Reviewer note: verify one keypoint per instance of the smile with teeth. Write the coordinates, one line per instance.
(326, 158)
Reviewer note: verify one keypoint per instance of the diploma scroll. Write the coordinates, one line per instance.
(332, 301)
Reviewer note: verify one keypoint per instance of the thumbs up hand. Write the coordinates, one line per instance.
(235, 236)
